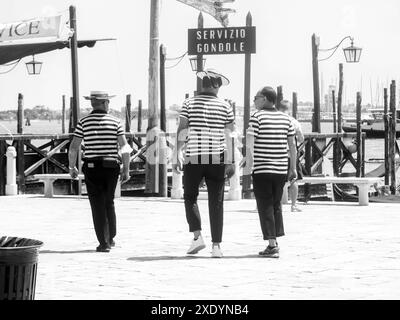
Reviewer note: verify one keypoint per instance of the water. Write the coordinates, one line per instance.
(374, 148)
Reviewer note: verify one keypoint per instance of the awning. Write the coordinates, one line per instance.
(9, 53)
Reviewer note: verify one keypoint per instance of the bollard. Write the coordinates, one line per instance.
(11, 186)
(235, 191)
(177, 190)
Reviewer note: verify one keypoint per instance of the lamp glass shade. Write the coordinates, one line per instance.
(193, 63)
(352, 54)
(34, 67)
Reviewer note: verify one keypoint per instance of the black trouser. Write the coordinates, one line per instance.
(268, 189)
(100, 184)
(214, 175)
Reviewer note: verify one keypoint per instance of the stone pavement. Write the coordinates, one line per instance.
(330, 251)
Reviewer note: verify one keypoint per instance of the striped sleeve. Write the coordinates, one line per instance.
(120, 129)
(185, 110)
(254, 126)
(230, 117)
(79, 130)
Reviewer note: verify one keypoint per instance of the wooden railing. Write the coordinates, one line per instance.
(50, 154)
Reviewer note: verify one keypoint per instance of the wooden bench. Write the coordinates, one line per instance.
(363, 185)
(48, 180)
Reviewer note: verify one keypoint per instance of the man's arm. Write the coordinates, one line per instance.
(230, 128)
(74, 149)
(293, 158)
(249, 159)
(181, 135)
(126, 157)
(299, 134)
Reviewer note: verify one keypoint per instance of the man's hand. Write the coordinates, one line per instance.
(178, 166)
(292, 176)
(229, 170)
(125, 176)
(73, 172)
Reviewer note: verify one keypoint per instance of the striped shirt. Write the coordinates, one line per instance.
(99, 132)
(207, 115)
(271, 130)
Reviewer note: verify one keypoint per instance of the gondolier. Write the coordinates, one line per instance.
(206, 125)
(101, 134)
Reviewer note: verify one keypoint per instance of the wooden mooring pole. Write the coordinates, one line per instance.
(294, 105)
(246, 180)
(334, 111)
(279, 96)
(387, 136)
(392, 141)
(163, 178)
(140, 120)
(63, 115)
(20, 148)
(128, 113)
(153, 129)
(200, 25)
(336, 158)
(359, 132)
(339, 100)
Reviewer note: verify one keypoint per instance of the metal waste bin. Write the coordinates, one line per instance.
(18, 268)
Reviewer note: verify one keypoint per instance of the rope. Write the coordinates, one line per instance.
(330, 55)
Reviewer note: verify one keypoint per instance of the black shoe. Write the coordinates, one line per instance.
(112, 243)
(270, 252)
(103, 249)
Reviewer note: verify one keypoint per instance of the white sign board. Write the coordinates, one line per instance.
(29, 29)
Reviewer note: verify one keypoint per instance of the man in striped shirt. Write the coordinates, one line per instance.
(206, 125)
(269, 134)
(101, 135)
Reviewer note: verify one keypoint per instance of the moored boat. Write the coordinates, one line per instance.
(372, 124)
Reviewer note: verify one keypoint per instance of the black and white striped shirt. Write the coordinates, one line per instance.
(99, 132)
(271, 129)
(207, 115)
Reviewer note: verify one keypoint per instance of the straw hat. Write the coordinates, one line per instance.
(98, 95)
(212, 73)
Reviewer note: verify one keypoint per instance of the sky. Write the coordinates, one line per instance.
(283, 57)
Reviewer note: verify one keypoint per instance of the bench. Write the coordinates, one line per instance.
(363, 185)
(48, 180)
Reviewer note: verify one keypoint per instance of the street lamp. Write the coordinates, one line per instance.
(34, 67)
(352, 55)
(194, 63)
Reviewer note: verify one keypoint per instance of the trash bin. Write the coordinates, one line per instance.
(18, 268)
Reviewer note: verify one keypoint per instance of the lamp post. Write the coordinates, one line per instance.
(34, 67)
(352, 55)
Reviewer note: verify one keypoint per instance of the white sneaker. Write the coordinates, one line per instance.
(216, 252)
(196, 245)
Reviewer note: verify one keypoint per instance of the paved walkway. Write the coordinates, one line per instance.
(331, 251)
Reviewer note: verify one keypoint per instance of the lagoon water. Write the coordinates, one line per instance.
(374, 148)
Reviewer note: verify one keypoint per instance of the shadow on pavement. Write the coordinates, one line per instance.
(163, 258)
(67, 252)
